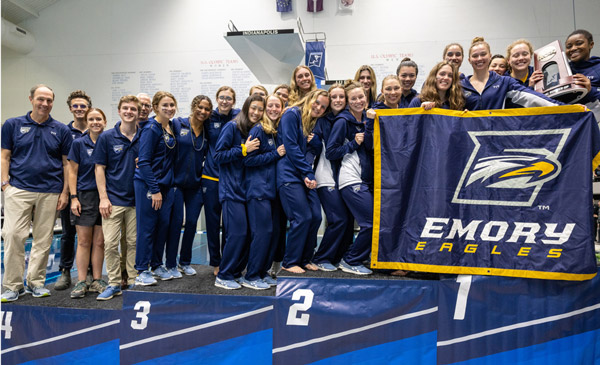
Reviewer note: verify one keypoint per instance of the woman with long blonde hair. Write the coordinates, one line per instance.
(296, 180)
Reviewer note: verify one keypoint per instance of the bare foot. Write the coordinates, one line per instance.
(399, 273)
(215, 270)
(294, 269)
(311, 267)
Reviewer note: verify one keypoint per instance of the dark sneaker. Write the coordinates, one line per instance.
(64, 281)
(79, 290)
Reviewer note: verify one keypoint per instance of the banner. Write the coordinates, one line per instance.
(494, 192)
(315, 58)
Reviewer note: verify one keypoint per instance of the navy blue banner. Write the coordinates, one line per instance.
(496, 320)
(495, 192)
(59, 335)
(188, 328)
(349, 321)
(315, 58)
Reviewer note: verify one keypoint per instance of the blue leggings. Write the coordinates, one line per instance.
(302, 207)
(191, 199)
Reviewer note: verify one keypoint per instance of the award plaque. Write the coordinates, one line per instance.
(558, 80)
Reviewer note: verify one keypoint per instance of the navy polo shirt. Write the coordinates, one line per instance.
(75, 133)
(118, 154)
(81, 153)
(36, 153)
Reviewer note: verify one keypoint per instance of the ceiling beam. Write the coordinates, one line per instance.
(26, 8)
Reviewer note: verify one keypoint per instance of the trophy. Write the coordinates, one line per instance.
(558, 80)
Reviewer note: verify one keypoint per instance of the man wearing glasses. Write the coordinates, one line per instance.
(79, 103)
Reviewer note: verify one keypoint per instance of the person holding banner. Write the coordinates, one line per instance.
(263, 208)
(232, 148)
(407, 72)
(296, 181)
(366, 76)
(191, 150)
(339, 233)
(223, 113)
(350, 145)
(487, 90)
(302, 82)
(441, 89)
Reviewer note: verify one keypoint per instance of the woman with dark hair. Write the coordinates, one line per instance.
(233, 146)
(261, 194)
(499, 65)
(191, 150)
(578, 48)
(441, 89)
(85, 201)
(223, 113)
(407, 73)
(350, 146)
(366, 77)
(296, 181)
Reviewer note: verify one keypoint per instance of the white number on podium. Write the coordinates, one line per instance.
(143, 307)
(6, 327)
(293, 319)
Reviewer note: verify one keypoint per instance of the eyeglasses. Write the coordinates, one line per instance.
(146, 105)
(79, 106)
(225, 98)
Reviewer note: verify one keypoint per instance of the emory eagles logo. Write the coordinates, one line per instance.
(510, 167)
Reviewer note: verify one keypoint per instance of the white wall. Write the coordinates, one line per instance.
(81, 44)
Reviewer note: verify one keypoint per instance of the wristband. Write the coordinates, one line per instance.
(244, 150)
(73, 196)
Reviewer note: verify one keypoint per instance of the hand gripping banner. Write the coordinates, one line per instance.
(494, 192)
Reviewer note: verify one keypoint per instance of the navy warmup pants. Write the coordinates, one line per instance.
(191, 199)
(302, 207)
(359, 200)
(339, 233)
(212, 213)
(261, 222)
(152, 225)
(235, 253)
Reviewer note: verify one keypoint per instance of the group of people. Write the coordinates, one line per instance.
(280, 158)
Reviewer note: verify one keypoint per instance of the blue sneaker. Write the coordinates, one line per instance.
(326, 266)
(254, 284)
(110, 292)
(11, 296)
(227, 284)
(187, 270)
(38, 292)
(175, 274)
(162, 273)
(270, 281)
(145, 278)
(357, 269)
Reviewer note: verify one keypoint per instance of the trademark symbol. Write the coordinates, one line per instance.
(543, 207)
